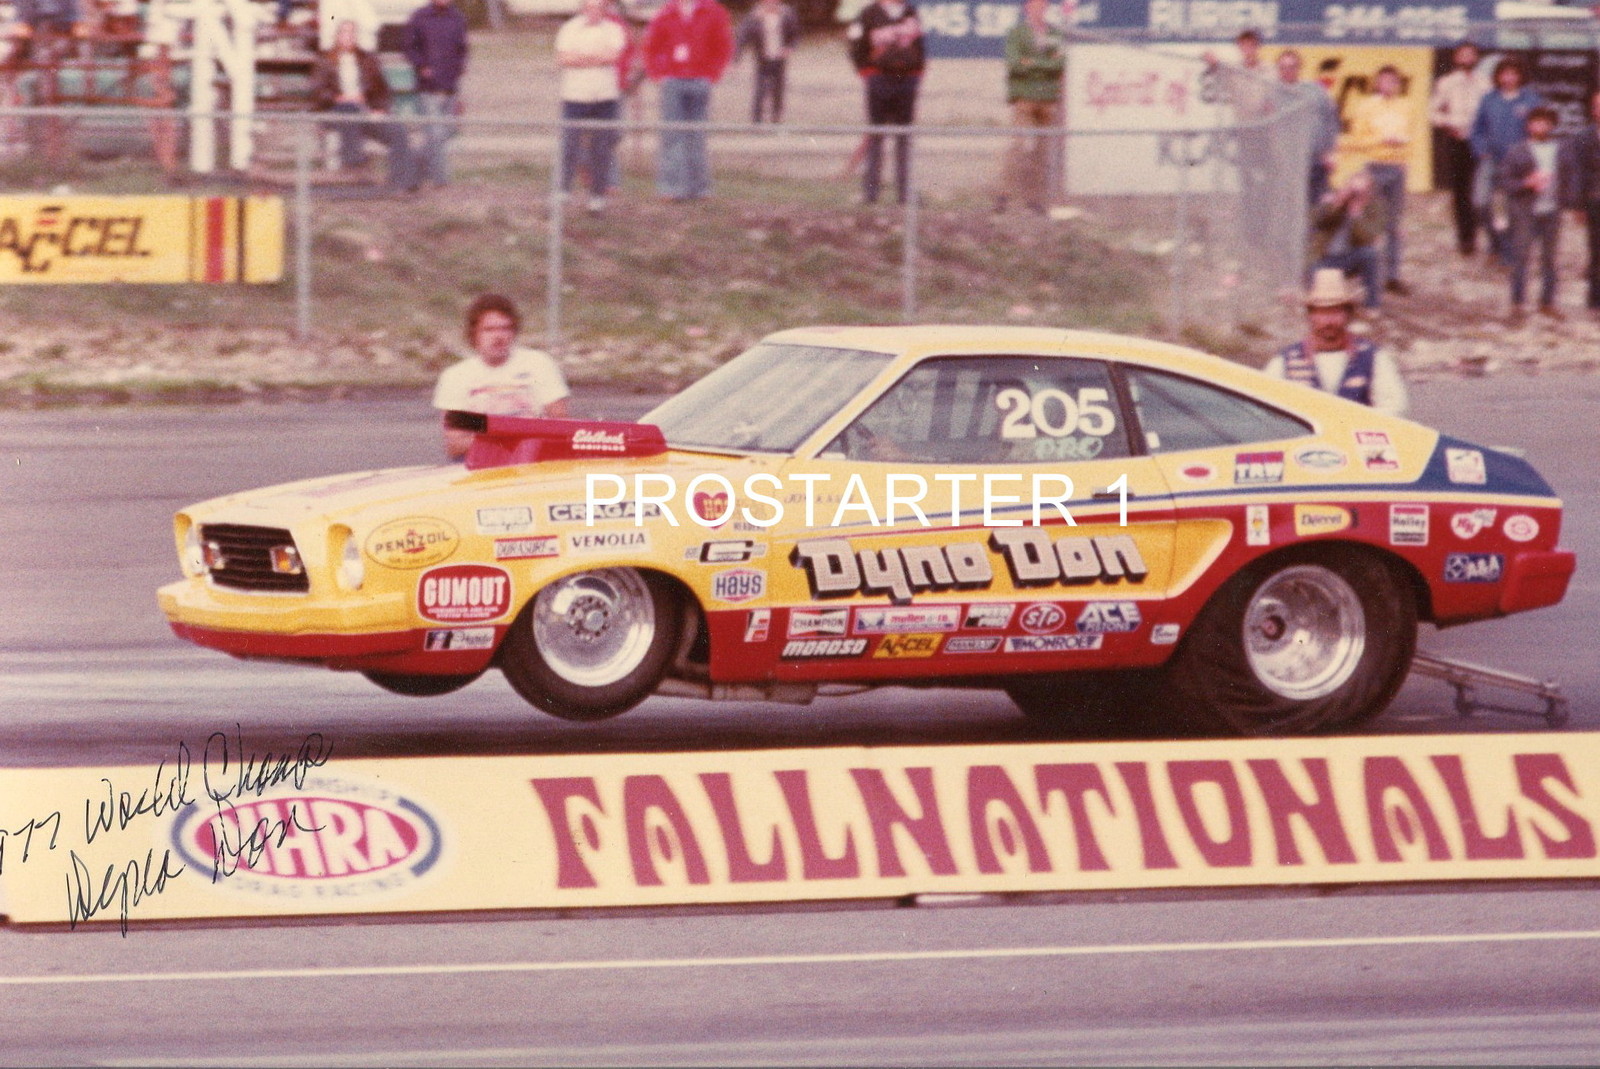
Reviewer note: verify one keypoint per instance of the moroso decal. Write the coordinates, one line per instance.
(738, 584)
(757, 625)
(1521, 528)
(1052, 643)
(464, 593)
(1473, 567)
(871, 620)
(1377, 452)
(816, 623)
(803, 648)
(1408, 525)
(1466, 525)
(1257, 526)
(1042, 618)
(728, 551)
(505, 520)
(462, 638)
(1257, 469)
(531, 548)
(1320, 519)
(412, 543)
(972, 643)
(1109, 617)
(1466, 466)
(1321, 458)
(835, 569)
(907, 646)
(331, 837)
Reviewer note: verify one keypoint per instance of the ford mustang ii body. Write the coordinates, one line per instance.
(1051, 512)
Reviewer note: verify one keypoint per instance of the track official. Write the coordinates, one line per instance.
(1332, 358)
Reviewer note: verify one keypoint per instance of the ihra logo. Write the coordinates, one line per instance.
(332, 838)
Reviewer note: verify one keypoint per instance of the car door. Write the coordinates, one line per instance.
(987, 572)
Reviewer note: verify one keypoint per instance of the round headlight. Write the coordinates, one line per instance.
(352, 570)
(194, 556)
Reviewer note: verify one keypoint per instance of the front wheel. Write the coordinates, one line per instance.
(592, 645)
(419, 686)
(1299, 643)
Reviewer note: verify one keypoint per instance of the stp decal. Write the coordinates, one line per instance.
(1041, 618)
(464, 593)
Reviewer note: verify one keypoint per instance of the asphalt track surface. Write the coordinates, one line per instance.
(89, 675)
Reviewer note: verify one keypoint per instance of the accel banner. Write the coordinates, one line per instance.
(86, 239)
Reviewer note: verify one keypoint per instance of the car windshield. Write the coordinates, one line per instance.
(767, 399)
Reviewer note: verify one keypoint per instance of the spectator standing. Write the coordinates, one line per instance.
(1451, 110)
(1381, 132)
(1324, 116)
(686, 48)
(436, 45)
(1500, 123)
(498, 378)
(1035, 59)
(589, 49)
(770, 32)
(1532, 177)
(1345, 229)
(348, 80)
(887, 50)
(1333, 358)
(1583, 190)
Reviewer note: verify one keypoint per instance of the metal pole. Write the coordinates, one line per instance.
(1180, 237)
(908, 249)
(553, 250)
(302, 229)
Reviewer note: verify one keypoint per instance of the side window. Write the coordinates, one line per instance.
(1176, 413)
(991, 410)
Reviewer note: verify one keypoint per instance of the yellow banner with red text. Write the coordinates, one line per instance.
(87, 239)
(222, 831)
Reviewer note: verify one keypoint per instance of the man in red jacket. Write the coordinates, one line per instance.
(686, 48)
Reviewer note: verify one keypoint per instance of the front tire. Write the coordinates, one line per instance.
(1302, 642)
(418, 686)
(592, 645)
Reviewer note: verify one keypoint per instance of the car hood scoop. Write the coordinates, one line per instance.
(502, 441)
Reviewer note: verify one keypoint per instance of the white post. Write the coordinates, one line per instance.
(203, 89)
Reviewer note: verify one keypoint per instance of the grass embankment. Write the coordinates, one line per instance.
(655, 293)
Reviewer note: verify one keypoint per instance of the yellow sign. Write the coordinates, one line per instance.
(1353, 77)
(225, 830)
(141, 239)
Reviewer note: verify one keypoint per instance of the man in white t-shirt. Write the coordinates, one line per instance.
(498, 379)
(1334, 359)
(588, 46)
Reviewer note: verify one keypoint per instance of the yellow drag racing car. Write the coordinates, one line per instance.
(1026, 509)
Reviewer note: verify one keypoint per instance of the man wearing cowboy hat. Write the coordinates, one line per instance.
(1332, 358)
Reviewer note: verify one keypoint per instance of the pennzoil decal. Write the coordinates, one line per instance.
(836, 569)
(415, 542)
(331, 837)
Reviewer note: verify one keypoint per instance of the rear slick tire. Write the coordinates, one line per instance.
(1305, 641)
(592, 645)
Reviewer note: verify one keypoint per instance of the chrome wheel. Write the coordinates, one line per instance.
(594, 628)
(1304, 632)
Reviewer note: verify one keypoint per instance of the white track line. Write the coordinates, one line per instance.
(868, 958)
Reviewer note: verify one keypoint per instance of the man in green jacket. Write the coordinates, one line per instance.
(1035, 58)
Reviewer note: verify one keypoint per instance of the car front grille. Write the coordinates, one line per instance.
(246, 557)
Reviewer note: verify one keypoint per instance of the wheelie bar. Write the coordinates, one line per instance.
(1465, 678)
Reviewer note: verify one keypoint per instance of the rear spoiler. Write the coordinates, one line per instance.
(500, 441)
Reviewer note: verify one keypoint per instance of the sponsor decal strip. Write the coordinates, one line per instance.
(568, 831)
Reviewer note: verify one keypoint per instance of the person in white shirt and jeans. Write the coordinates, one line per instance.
(1451, 110)
(588, 46)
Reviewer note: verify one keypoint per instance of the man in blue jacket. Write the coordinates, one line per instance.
(436, 45)
(1500, 123)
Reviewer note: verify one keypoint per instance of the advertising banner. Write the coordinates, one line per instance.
(74, 238)
(977, 28)
(222, 831)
